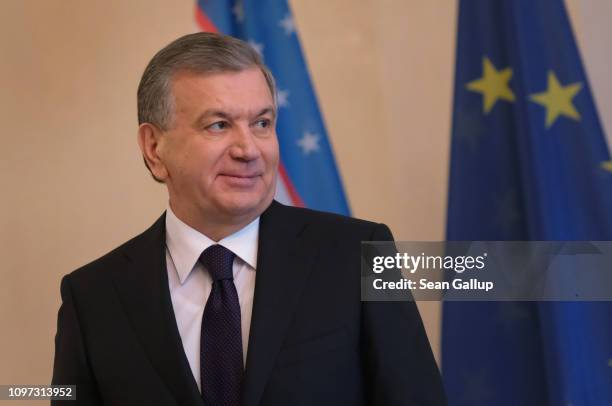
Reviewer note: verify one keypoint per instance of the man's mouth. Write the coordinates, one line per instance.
(240, 175)
(240, 179)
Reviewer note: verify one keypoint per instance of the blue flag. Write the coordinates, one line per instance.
(308, 171)
(528, 162)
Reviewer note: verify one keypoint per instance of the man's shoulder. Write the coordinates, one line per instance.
(334, 223)
(121, 255)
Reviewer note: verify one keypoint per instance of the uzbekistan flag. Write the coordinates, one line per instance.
(308, 173)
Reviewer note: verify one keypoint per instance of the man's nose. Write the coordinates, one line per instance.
(244, 146)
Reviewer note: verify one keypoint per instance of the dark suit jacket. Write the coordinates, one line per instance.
(312, 340)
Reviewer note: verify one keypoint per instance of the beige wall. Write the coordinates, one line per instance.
(385, 94)
(73, 185)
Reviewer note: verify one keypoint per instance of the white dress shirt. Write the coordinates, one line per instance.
(190, 283)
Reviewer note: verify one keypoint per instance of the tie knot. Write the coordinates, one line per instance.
(218, 260)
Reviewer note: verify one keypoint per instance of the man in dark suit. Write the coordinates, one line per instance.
(231, 298)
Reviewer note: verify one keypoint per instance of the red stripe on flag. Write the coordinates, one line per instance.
(203, 21)
(293, 194)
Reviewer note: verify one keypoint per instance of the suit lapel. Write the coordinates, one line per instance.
(284, 261)
(143, 290)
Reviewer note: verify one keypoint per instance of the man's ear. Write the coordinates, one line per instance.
(149, 142)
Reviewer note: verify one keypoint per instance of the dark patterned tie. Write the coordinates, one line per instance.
(221, 366)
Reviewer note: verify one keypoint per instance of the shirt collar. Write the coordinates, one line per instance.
(185, 244)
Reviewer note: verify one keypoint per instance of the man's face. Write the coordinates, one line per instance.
(221, 151)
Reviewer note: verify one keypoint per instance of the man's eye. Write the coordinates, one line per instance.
(263, 123)
(218, 126)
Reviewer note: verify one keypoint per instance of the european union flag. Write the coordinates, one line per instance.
(529, 162)
(308, 172)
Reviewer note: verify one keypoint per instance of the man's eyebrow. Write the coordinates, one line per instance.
(267, 110)
(225, 115)
(212, 113)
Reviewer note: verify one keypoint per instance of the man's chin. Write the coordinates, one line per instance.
(243, 209)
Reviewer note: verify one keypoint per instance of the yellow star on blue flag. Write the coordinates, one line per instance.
(493, 85)
(558, 100)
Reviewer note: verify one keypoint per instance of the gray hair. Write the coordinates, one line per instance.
(202, 52)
